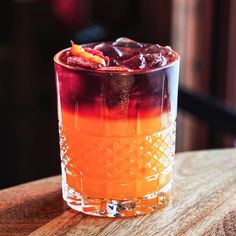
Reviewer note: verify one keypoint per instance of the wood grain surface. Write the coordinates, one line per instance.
(204, 203)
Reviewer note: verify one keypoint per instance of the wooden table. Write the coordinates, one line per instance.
(204, 204)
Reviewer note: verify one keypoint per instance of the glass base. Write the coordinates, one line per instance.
(105, 207)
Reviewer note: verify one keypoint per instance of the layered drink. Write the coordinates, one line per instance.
(117, 106)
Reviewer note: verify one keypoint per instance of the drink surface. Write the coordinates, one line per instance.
(117, 120)
(123, 55)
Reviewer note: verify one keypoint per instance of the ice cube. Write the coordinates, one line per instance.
(168, 48)
(169, 52)
(155, 59)
(156, 48)
(109, 50)
(136, 62)
(113, 62)
(126, 42)
(166, 52)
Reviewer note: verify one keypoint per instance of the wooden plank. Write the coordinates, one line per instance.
(29, 206)
(193, 42)
(231, 67)
(230, 94)
(224, 62)
(203, 204)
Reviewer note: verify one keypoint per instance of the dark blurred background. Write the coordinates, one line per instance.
(32, 31)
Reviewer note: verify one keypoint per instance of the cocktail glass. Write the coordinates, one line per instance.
(117, 138)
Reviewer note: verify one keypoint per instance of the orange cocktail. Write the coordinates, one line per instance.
(117, 110)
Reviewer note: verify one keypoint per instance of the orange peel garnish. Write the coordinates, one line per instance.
(99, 60)
(77, 50)
(85, 55)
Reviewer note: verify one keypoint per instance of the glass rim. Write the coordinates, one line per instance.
(83, 69)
